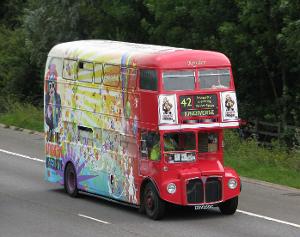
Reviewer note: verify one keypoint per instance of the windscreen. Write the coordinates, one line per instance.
(179, 80)
(179, 141)
(207, 142)
(214, 78)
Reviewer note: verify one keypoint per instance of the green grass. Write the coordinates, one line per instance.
(24, 116)
(277, 165)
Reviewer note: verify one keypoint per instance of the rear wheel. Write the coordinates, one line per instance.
(153, 205)
(71, 180)
(229, 207)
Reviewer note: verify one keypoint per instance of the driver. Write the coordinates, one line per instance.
(169, 145)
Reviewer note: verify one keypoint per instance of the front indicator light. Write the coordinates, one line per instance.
(171, 188)
(232, 183)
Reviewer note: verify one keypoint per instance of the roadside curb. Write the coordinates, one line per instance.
(21, 129)
(244, 179)
(267, 184)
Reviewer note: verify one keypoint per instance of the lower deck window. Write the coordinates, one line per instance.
(85, 135)
(150, 145)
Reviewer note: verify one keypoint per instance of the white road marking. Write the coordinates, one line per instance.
(23, 156)
(105, 222)
(268, 218)
(94, 219)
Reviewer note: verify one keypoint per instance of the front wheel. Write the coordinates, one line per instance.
(153, 205)
(71, 180)
(229, 207)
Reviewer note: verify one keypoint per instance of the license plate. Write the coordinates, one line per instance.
(203, 207)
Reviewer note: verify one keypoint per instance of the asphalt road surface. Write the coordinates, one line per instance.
(29, 206)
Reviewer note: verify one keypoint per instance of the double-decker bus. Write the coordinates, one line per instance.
(140, 124)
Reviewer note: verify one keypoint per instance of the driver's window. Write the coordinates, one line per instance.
(150, 145)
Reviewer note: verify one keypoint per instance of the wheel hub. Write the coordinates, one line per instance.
(150, 202)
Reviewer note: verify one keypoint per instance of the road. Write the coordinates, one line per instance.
(29, 206)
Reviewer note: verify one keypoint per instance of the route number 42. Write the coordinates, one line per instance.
(186, 102)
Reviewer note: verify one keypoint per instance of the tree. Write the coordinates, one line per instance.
(114, 20)
(47, 23)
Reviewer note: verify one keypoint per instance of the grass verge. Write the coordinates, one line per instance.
(24, 116)
(277, 165)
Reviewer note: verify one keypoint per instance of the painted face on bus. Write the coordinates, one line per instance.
(52, 89)
(52, 77)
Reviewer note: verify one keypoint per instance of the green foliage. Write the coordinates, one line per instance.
(260, 37)
(277, 165)
(23, 116)
(115, 20)
(47, 23)
(18, 78)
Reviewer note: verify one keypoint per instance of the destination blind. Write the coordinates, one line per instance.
(198, 105)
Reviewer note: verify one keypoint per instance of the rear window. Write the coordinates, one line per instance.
(214, 78)
(179, 80)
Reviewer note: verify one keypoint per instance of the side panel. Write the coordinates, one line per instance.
(95, 127)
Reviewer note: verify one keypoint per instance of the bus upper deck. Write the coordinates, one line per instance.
(197, 85)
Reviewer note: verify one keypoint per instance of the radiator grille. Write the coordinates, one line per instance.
(212, 191)
(194, 189)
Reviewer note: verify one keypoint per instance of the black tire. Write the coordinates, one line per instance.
(153, 205)
(229, 207)
(70, 182)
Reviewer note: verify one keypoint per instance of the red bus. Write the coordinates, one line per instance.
(141, 124)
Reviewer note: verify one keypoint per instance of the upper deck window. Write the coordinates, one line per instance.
(85, 71)
(179, 80)
(111, 75)
(214, 78)
(98, 70)
(128, 76)
(70, 69)
(148, 79)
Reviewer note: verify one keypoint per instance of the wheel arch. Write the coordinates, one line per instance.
(143, 185)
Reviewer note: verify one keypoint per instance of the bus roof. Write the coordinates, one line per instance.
(144, 55)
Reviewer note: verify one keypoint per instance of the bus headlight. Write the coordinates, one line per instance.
(171, 188)
(232, 183)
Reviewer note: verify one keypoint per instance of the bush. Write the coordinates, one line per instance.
(277, 164)
(23, 116)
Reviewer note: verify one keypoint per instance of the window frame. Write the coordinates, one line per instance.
(130, 75)
(92, 71)
(217, 135)
(140, 79)
(215, 74)
(119, 75)
(76, 69)
(102, 74)
(180, 76)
